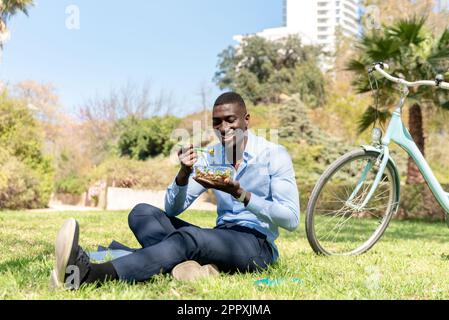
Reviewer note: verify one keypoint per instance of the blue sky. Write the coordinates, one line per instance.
(173, 44)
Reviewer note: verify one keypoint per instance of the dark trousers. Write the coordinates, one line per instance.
(168, 241)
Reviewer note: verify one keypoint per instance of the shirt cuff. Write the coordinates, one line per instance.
(175, 188)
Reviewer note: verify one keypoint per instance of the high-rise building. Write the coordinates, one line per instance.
(316, 21)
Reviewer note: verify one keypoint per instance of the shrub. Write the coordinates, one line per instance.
(20, 187)
(26, 175)
(147, 138)
(71, 184)
(311, 148)
(154, 173)
(417, 201)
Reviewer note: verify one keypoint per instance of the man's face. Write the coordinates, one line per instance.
(230, 122)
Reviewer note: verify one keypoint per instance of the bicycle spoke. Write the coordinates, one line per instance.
(339, 225)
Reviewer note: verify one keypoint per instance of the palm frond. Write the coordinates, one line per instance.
(439, 57)
(11, 7)
(423, 92)
(443, 41)
(384, 49)
(355, 65)
(370, 116)
(408, 31)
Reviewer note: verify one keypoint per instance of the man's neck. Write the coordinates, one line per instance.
(236, 152)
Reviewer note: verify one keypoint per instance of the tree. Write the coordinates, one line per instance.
(386, 12)
(72, 161)
(100, 115)
(262, 70)
(413, 53)
(26, 174)
(141, 139)
(375, 14)
(312, 149)
(8, 8)
(43, 100)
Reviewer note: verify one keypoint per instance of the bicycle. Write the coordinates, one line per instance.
(354, 200)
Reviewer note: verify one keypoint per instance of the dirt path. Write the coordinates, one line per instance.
(199, 204)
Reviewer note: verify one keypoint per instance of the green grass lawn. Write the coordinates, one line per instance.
(410, 262)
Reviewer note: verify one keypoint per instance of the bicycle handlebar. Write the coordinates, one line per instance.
(379, 67)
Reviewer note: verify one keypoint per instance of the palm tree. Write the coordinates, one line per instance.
(413, 53)
(8, 8)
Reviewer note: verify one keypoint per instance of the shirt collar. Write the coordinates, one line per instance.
(249, 153)
(250, 149)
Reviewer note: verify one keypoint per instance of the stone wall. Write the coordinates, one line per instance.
(126, 199)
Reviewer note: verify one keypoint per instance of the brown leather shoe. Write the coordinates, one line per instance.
(192, 270)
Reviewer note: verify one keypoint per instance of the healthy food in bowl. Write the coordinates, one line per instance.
(211, 172)
(214, 173)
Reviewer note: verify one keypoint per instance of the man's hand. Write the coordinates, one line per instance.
(227, 185)
(187, 156)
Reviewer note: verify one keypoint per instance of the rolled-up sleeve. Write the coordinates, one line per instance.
(179, 198)
(283, 209)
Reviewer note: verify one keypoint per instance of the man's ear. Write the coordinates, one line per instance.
(247, 118)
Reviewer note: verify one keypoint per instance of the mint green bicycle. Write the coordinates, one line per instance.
(354, 200)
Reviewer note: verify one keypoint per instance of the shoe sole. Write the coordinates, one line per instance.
(66, 241)
(192, 270)
(211, 270)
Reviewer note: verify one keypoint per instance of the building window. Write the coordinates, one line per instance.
(284, 13)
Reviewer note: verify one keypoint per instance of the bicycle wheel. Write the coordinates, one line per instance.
(334, 225)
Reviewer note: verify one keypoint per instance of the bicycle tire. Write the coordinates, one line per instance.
(321, 183)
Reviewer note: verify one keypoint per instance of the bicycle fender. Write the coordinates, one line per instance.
(395, 169)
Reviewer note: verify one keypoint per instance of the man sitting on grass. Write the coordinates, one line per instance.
(262, 197)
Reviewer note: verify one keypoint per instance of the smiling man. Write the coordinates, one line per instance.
(262, 197)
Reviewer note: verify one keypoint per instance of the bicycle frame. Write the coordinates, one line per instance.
(398, 133)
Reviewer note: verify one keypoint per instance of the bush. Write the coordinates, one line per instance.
(311, 148)
(147, 138)
(155, 173)
(20, 187)
(26, 175)
(417, 201)
(72, 184)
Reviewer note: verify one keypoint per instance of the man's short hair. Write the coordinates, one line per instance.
(230, 98)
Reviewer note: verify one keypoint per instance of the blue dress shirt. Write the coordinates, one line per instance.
(267, 173)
